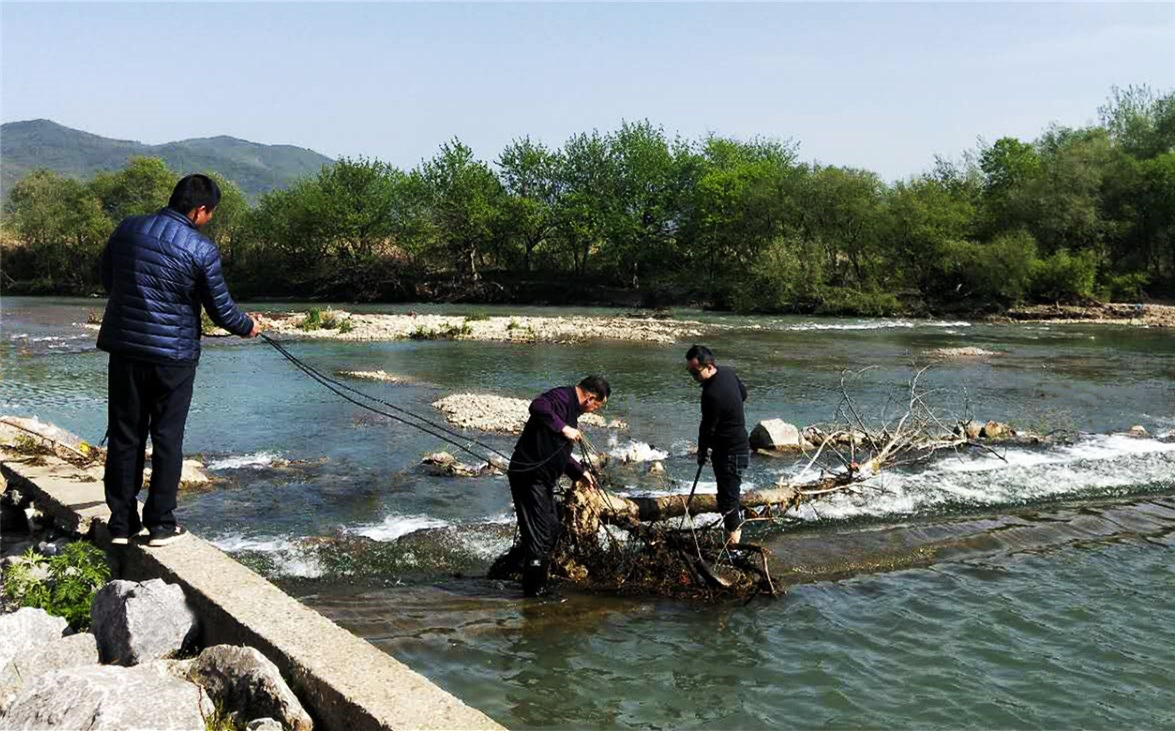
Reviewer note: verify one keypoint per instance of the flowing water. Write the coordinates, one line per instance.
(1033, 587)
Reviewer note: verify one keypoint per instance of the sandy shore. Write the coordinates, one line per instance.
(1109, 314)
(521, 329)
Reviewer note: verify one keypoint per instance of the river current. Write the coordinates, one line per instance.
(1029, 587)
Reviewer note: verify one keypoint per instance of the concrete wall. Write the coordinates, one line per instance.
(344, 682)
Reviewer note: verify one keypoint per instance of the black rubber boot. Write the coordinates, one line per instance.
(534, 578)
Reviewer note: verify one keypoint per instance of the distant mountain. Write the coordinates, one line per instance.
(254, 168)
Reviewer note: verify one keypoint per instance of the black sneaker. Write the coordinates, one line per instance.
(162, 536)
(125, 540)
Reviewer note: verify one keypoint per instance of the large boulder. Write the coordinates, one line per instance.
(776, 434)
(243, 679)
(67, 652)
(27, 630)
(138, 622)
(109, 698)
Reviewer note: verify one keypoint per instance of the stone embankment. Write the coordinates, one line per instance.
(266, 658)
(570, 329)
(36, 438)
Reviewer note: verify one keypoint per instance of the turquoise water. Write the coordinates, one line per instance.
(1029, 589)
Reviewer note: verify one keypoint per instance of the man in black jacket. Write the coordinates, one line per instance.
(723, 432)
(159, 271)
(541, 456)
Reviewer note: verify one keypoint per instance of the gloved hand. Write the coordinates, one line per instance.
(701, 458)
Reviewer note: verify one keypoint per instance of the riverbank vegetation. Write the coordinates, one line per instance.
(635, 217)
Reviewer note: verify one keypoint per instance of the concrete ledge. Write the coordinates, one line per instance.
(344, 682)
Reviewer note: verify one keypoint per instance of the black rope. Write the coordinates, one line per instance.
(437, 430)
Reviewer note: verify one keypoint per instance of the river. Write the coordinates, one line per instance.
(1027, 588)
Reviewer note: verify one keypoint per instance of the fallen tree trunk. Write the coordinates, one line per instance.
(659, 557)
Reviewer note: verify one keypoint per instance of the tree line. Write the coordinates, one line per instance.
(1076, 214)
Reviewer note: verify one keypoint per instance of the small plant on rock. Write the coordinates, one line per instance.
(62, 585)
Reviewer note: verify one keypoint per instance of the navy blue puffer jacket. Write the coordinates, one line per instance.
(159, 270)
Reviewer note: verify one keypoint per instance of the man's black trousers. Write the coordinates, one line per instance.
(145, 398)
(538, 527)
(728, 472)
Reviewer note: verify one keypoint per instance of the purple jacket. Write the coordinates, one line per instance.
(542, 450)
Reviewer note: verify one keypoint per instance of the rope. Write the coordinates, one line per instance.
(428, 427)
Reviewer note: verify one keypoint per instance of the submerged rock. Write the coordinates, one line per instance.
(965, 352)
(446, 465)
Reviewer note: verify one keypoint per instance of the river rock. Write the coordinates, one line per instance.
(971, 429)
(243, 679)
(109, 698)
(28, 630)
(138, 622)
(1138, 430)
(444, 464)
(995, 430)
(776, 434)
(264, 724)
(67, 652)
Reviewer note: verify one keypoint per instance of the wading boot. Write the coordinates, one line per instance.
(534, 578)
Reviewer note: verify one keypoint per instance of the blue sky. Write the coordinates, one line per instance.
(878, 86)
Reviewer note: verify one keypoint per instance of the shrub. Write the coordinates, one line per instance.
(1064, 277)
(1125, 287)
(62, 585)
(312, 321)
(787, 275)
(843, 301)
(443, 332)
(328, 319)
(476, 317)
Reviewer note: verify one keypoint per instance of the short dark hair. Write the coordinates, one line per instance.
(193, 191)
(597, 386)
(701, 353)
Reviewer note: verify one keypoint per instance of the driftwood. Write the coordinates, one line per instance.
(655, 555)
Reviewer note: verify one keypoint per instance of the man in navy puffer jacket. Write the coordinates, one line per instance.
(159, 270)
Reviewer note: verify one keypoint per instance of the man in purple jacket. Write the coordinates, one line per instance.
(541, 456)
(160, 271)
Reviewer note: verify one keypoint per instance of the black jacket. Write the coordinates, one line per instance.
(724, 427)
(159, 270)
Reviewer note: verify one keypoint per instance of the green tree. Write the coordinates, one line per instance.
(62, 229)
(1140, 121)
(641, 234)
(334, 235)
(229, 221)
(466, 205)
(740, 203)
(530, 176)
(585, 212)
(143, 186)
